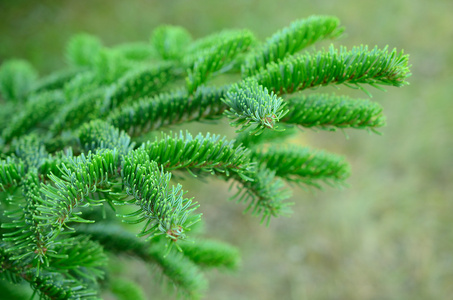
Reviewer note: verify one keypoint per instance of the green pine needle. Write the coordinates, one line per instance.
(170, 41)
(150, 114)
(99, 135)
(16, 79)
(303, 165)
(264, 194)
(205, 153)
(354, 68)
(82, 49)
(252, 105)
(297, 36)
(217, 58)
(330, 112)
(163, 208)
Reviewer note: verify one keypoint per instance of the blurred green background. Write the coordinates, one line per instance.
(389, 235)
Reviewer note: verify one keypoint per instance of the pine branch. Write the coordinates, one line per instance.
(31, 151)
(249, 140)
(28, 241)
(54, 163)
(16, 79)
(207, 154)
(163, 209)
(330, 112)
(175, 266)
(7, 112)
(88, 109)
(353, 68)
(55, 289)
(81, 84)
(82, 49)
(80, 110)
(216, 58)
(265, 194)
(251, 104)
(181, 271)
(212, 254)
(170, 41)
(110, 65)
(12, 171)
(79, 259)
(81, 176)
(125, 289)
(48, 286)
(38, 109)
(303, 165)
(99, 135)
(136, 52)
(137, 83)
(55, 81)
(203, 46)
(149, 114)
(297, 36)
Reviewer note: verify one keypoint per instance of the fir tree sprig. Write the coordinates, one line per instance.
(28, 241)
(31, 151)
(7, 113)
(79, 259)
(297, 36)
(53, 164)
(353, 68)
(177, 268)
(91, 98)
(47, 286)
(331, 111)
(180, 271)
(57, 288)
(55, 81)
(109, 65)
(82, 83)
(99, 135)
(16, 79)
(170, 41)
(248, 140)
(212, 254)
(12, 171)
(252, 105)
(82, 49)
(81, 109)
(166, 109)
(95, 103)
(136, 52)
(163, 208)
(205, 153)
(138, 82)
(265, 194)
(40, 107)
(81, 177)
(203, 46)
(304, 165)
(125, 289)
(89, 109)
(217, 57)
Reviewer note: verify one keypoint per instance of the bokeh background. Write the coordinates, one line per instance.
(389, 235)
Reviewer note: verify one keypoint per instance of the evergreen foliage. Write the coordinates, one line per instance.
(331, 112)
(251, 104)
(16, 79)
(76, 154)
